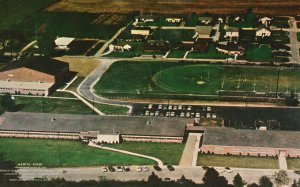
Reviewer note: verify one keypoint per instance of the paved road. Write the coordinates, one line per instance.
(86, 90)
(282, 161)
(194, 173)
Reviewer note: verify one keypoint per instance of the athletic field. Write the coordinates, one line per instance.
(141, 78)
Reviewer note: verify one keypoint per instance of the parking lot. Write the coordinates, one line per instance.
(182, 111)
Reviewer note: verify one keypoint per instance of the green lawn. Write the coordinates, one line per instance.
(25, 104)
(158, 78)
(211, 54)
(262, 53)
(293, 163)
(237, 161)
(59, 153)
(176, 54)
(174, 36)
(168, 152)
(298, 36)
(111, 109)
(14, 11)
(281, 36)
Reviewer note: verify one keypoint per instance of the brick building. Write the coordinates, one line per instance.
(251, 142)
(36, 75)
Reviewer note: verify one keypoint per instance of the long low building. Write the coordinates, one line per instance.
(251, 142)
(68, 126)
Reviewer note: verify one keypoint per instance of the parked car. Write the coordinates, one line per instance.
(170, 107)
(172, 114)
(139, 169)
(119, 169)
(146, 168)
(147, 113)
(168, 114)
(167, 179)
(189, 108)
(197, 115)
(111, 169)
(104, 169)
(157, 113)
(150, 106)
(170, 167)
(182, 114)
(208, 108)
(180, 107)
(175, 108)
(188, 114)
(159, 107)
(157, 168)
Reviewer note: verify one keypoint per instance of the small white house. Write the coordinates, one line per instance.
(174, 20)
(62, 43)
(121, 48)
(144, 18)
(108, 138)
(265, 21)
(263, 32)
(144, 31)
(232, 32)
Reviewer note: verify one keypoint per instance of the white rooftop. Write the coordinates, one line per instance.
(63, 41)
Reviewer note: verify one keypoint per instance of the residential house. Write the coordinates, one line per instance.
(156, 46)
(144, 31)
(230, 49)
(203, 31)
(205, 20)
(63, 43)
(232, 32)
(265, 21)
(121, 47)
(263, 32)
(144, 18)
(174, 20)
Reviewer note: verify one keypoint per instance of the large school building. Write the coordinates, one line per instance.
(251, 142)
(103, 128)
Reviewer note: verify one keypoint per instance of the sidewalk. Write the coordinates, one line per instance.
(159, 162)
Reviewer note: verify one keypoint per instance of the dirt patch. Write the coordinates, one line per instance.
(84, 66)
(276, 7)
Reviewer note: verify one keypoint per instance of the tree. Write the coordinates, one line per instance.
(264, 181)
(154, 179)
(281, 178)
(7, 103)
(212, 179)
(252, 185)
(238, 181)
(292, 100)
(294, 184)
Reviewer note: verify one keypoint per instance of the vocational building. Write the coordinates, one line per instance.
(251, 142)
(102, 128)
(35, 75)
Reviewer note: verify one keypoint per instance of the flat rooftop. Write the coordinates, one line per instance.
(251, 138)
(150, 126)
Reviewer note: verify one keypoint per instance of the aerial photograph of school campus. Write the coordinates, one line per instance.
(149, 93)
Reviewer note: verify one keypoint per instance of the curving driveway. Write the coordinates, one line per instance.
(85, 89)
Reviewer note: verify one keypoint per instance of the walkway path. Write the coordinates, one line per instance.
(84, 101)
(159, 162)
(282, 161)
(294, 41)
(191, 149)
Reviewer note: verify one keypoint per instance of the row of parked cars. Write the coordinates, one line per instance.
(138, 169)
(180, 114)
(174, 107)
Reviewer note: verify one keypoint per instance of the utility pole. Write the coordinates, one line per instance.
(278, 71)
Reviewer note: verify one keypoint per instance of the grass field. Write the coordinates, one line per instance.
(58, 153)
(14, 11)
(211, 54)
(174, 36)
(161, 78)
(63, 106)
(237, 161)
(176, 54)
(111, 109)
(168, 152)
(289, 7)
(262, 53)
(293, 163)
